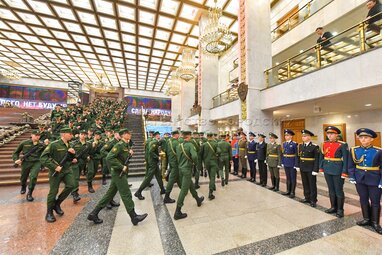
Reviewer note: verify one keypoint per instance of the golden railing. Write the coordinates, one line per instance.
(226, 97)
(349, 43)
(298, 17)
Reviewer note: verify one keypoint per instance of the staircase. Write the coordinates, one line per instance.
(137, 162)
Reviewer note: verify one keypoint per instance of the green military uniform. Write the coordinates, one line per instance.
(243, 156)
(198, 167)
(51, 158)
(147, 147)
(56, 113)
(45, 135)
(210, 154)
(164, 158)
(81, 149)
(225, 159)
(187, 157)
(104, 151)
(30, 165)
(172, 146)
(56, 127)
(274, 162)
(94, 161)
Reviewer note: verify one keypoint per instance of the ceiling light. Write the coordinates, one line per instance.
(368, 105)
(187, 68)
(287, 115)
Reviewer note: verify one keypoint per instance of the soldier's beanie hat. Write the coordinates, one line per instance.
(186, 132)
(36, 132)
(123, 131)
(288, 132)
(83, 131)
(273, 135)
(263, 136)
(252, 134)
(332, 129)
(306, 132)
(98, 132)
(366, 132)
(66, 129)
(175, 132)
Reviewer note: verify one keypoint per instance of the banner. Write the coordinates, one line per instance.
(30, 104)
(156, 109)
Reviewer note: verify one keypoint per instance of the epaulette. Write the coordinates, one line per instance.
(355, 147)
(379, 148)
(341, 142)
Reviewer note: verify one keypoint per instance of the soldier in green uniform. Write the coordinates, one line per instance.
(153, 167)
(108, 146)
(187, 157)
(274, 161)
(58, 158)
(211, 155)
(56, 111)
(202, 140)
(148, 140)
(30, 162)
(226, 161)
(198, 168)
(243, 154)
(82, 148)
(94, 159)
(172, 145)
(56, 127)
(117, 158)
(45, 136)
(164, 157)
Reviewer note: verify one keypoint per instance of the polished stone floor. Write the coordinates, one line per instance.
(243, 219)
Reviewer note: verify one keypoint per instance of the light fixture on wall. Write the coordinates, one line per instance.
(101, 86)
(186, 70)
(173, 85)
(216, 38)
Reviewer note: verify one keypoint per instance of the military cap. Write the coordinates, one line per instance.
(36, 132)
(222, 136)
(273, 135)
(98, 132)
(306, 132)
(151, 132)
(66, 129)
(201, 133)
(57, 116)
(332, 129)
(288, 132)
(108, 128)
(195, 133)
(252, 134)
(123, 131)
(186, 132)
(175, 132)
(58, 105)
(83, 131)
(242, 133)
(90, 129)
(156, 133)
(234, 134)
(210, 134)
(262, 135)
(366, 132)
(167, 133)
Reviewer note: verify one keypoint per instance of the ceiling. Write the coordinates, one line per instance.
(132, 43)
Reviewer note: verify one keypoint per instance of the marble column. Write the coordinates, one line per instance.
(176, 114)
(187, 101)
(255, 56)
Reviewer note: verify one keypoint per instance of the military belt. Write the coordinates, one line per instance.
(368, 168)
(333, 159)
(289, 155)
(251, 152)
(273, 155)
(242, 149)
(308, 159)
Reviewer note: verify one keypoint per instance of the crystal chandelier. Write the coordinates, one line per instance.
(187, 69)
(173, 85)
(100, 86)
(10, 75)
(216, 38)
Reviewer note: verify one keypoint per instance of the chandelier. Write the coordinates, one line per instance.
(101, 86)
(173, 85)
(10, 75)
(216, 38)
(186, 70)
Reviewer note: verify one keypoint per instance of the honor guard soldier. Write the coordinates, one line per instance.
(365, 171)
(198, 168)
(252, 156)
(333, 163)
(187, 157)
(274, 161)
(30, 162)
(243, 154)
(261, 149)
(172, 146)
(225, 159)
(211, 155)
(307, 164)
(118, 159)
(289, 161)
(235, 154)
(58, 158)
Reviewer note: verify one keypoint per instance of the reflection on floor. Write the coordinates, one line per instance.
(243, 219)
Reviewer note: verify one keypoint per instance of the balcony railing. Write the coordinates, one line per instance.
(301, 15)
(226, 97)
(349, 43)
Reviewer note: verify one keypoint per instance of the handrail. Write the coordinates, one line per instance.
(308, 5)
(143, 124)
(317, 48)
(225, 97)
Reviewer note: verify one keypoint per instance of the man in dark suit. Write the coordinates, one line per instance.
(374, 7)
(323, 38)
(261, 157)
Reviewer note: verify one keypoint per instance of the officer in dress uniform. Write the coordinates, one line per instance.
(243, 154)
(274, 161)
(308, 159)
(333, 163)
(235, 154)
(289, 161)
(365, 171)
(252, 156)
(261, 159)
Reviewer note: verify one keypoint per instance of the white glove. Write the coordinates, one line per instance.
(245, 157)
(354, 182)
(282, 165)
(343, 177)
(314, 173)
(380, 186)
(124, 168)
(279, 166)
(297, 169)
(265, 161)
(256, 160)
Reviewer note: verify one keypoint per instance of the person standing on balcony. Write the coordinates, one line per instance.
(374, 7)
(324, 37)
(235, 154)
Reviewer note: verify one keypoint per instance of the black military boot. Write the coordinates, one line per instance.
(211, 195)
(178, 214)
(114, 204)
(104, 179)
(292, 190)
(50, 216)
(23, 189)
(217, 175)
(273, 179)
(222, 182)
(135, 218)
(333, 204)
(289, 187)
(138, 195)
(340, 207)
(57, 207)
(205, 173)
(167, 199)
(199, 201)
(151, 184)
(90, 187)
(93, 216)
(375, 217)
(366, 216)
(29, 195)
(76, 196)
(162, 191)
(277, 184)
(235, 173)
(197, 186)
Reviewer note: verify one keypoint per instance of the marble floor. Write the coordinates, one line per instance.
(243, 219)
